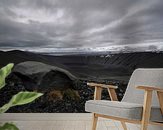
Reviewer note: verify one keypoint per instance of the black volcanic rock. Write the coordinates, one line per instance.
(40, 76)
(44, 105)
(103, 68)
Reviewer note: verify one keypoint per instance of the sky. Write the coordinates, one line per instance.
(75, 25)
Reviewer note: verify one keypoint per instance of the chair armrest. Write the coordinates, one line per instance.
(98, 90)
(148, 100)
(148, 88)
(102, 85)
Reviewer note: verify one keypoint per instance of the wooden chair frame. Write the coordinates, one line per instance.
(146, 107)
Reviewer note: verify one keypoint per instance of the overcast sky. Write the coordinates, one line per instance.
(68, 24)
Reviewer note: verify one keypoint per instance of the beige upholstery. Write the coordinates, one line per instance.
(131, 105)
(143, 77)
(125, 110)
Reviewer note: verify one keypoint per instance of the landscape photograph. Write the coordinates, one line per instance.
(55, 48)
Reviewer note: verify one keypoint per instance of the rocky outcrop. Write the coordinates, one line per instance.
(43, 77)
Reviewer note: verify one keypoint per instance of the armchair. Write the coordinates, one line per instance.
(138, 107)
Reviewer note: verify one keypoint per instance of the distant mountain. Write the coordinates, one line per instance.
(95, 66)
(17, 56)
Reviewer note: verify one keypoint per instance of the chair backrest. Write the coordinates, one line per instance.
(143, 77)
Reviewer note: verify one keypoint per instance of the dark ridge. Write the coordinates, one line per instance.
(117, 66)
(17, 56)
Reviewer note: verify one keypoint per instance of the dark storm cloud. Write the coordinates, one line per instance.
(80, 23)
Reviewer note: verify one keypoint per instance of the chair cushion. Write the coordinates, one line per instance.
(131, 111)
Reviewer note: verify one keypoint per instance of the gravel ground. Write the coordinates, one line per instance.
(45, 105)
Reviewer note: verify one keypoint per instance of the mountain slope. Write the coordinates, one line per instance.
(91, 67)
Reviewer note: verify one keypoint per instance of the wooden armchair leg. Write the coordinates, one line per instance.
(160, 98)
(94, 122)
(97, 93)
(113, 97)
(112, 94)
(146, 110)
(124, 125)
(97, 96)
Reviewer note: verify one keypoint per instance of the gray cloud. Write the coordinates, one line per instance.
(80, 23)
